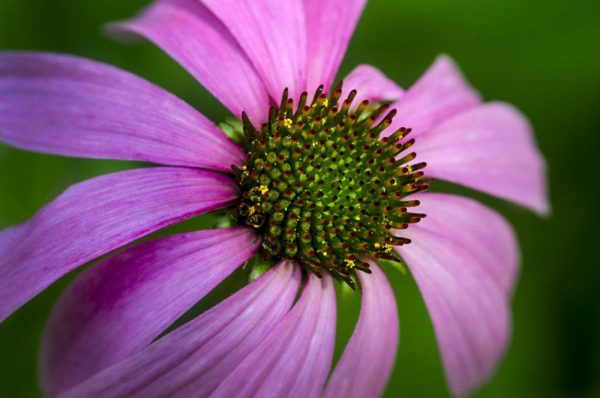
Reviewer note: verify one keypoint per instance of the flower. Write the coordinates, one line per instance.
(105, 336)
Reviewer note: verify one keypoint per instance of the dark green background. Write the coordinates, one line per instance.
(543, 56)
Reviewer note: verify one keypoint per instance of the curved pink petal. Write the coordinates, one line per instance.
(100, 215)
(368, 360)
(438, 95)
(71, 106)
(329, 27)
(490, 148)
(192, 360)
(294, 359)
(464, 258)
(273, 34)
(372, 85)
(194, 37)
(119, 306)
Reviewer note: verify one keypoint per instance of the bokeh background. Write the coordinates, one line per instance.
(543, 56)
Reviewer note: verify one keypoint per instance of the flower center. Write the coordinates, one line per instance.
(321, 187)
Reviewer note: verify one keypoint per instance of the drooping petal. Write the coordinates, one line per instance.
(490, 148)
(100, 215)
(438, 95)
(464, 258)
(329, 26)
(273, 34)
(71, 106)
(121, 305)
(372, 85)
(368, 360)
(193, 36)
(192, 360)
(294, 359)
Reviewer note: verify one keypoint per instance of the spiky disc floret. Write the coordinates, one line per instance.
(322, 188)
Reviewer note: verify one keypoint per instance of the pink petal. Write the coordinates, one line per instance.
(71, 106)
(119, 306)
(192, 360)
(368, 360)
(464, 258)
(490, 148)
(372, 85)
(441, 93)
(273, 34)
(294, 359)
(100, 215)
(194, 37)
(329, 26)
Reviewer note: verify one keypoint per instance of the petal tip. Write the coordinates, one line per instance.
(122, 31)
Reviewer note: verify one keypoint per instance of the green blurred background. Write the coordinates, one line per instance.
(543, 56)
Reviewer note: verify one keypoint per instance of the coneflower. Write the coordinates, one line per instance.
(325, 182)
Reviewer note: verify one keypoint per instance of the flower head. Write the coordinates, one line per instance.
(327, 181)
(323, 189)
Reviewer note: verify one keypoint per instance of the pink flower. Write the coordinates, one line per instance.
(100, 340)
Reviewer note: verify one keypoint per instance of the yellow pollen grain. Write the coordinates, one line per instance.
(287, 123)
(387, 248)
(251, 210)
(263, 189)
(350, 263)
(377, 245)
(326, 102)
